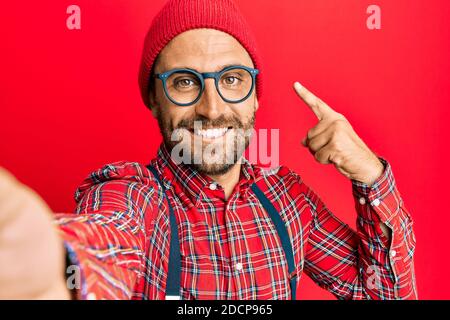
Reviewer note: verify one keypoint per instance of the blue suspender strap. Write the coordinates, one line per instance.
(282, 233)
(173, 276)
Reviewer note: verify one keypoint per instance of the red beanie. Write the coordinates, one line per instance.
(178, 16)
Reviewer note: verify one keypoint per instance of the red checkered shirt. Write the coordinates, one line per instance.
(119, 237)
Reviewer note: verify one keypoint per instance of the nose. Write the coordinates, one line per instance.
(211, 105)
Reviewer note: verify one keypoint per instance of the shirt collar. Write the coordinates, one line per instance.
(190, 181)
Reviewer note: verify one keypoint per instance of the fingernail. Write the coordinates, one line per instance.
(297, 85)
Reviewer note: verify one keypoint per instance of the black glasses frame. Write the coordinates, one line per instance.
(206, 75)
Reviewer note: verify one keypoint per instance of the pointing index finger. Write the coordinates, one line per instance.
(320, 108)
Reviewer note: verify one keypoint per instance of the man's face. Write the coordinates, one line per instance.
(212, 152)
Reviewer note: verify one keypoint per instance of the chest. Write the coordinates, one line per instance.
(229, 249)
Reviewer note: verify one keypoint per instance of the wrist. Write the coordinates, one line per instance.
(373, 173)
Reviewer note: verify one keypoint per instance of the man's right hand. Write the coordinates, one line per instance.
(32, 255)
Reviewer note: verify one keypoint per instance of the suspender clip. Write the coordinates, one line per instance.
(293, 275)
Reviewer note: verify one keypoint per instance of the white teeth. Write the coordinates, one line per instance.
(211, 133)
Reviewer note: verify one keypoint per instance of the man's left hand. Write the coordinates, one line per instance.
(333, 140)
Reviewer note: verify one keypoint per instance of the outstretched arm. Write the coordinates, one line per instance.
(105, 241)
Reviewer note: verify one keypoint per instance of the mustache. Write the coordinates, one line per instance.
(206, 123)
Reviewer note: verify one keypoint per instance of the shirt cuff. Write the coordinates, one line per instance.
(382, 196)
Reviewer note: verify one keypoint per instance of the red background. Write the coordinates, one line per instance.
(70, 102)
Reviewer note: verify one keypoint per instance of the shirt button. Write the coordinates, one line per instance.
(393, 253)
(91, 296)
(213, 186)
(362, 201)
(376, 203)
(238, 266)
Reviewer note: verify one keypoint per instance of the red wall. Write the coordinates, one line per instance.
(70, 102)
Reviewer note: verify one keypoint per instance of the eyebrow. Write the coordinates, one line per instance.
(219, 68)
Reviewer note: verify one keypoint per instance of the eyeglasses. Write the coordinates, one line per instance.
(184, 87)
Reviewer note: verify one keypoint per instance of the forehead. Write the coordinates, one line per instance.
(204, 50)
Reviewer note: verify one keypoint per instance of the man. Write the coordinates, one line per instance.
(235, 230)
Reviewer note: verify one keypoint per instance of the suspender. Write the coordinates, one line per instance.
(173, 277)
(283, 234)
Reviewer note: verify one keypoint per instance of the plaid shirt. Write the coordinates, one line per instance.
(120, 236)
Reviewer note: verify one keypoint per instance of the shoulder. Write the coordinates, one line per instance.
(283, 182)
(281, 175)
(120, 172)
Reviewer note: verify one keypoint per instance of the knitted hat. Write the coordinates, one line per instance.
(178, 16)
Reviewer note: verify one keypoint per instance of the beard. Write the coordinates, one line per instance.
(211, 155)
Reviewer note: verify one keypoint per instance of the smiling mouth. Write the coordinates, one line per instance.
(212, 133)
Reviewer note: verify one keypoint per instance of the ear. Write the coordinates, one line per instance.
(154, 110)
(153, 105)
(256, 103)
